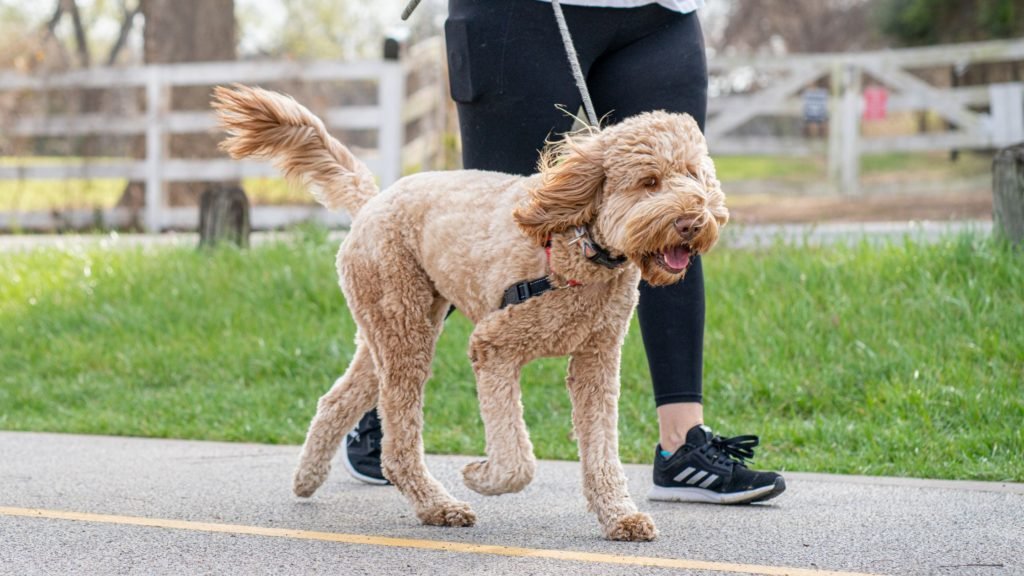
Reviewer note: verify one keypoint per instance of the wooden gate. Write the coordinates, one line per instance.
(977, 117)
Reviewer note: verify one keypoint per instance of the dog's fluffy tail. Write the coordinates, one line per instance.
(271, 126)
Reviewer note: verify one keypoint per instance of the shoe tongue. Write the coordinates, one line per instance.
(699, 435)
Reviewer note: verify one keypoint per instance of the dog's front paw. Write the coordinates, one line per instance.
(453, 513)
(308, 478)
(484, 477)
(635, 527)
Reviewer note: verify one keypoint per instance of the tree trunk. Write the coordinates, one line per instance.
(1008, 193)
(186, 31)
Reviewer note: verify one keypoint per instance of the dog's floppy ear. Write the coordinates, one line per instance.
(572, 176)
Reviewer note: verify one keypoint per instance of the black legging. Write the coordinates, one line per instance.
(508, 72)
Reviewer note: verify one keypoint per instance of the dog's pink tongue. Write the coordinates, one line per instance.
(677, 258)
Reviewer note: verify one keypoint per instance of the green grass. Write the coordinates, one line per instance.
(909, 166)
(894, 166)
(901, 360)
(31, 195)
(776, 168)
(966, 164)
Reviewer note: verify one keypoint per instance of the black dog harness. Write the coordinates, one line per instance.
(523, 291)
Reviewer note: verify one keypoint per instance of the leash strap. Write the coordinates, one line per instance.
(523, 291)
(574, 63)
(409, 8)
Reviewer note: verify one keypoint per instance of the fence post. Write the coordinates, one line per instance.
(390, 99)
(1007, 106)
(1008, 193)
(835, 125)
(157, 101)
(850, 140)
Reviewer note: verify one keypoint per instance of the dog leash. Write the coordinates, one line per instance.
(570, 53)
(409, 8)
(574, 63)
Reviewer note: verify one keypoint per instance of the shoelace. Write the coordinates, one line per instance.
(736, 449)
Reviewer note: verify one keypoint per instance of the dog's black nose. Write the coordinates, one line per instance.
(687, 227)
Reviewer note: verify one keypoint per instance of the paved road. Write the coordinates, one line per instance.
(760, 235)
(102, 505)
(737, 235)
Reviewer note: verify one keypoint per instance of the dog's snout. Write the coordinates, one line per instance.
(687, 227)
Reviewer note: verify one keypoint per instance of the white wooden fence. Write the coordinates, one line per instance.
(784, 80)
(393, 111)
(978, 116)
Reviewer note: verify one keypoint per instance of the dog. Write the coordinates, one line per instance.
(546, 265)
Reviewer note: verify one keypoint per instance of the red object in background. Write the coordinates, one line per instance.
(876, 98)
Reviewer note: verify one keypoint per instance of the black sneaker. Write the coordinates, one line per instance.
(362, 450)
(710, 468)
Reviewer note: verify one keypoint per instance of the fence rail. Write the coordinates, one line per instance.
(393, 111)
(977, 117)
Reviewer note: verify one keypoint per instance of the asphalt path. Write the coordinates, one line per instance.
(101, 505)
(105, 505)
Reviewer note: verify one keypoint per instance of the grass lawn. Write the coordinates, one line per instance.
(901, 360)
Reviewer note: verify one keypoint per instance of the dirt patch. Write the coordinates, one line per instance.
(762, 210)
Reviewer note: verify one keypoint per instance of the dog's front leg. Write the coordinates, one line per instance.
(402, 351)
(593, 384)
(510, 463)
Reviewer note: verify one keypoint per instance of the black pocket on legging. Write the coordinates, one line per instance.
(460, 76)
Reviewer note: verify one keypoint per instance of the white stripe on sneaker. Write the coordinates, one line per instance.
(711, 479)
(696, 477)
(360, 476)
(694, 494)
(682, 475)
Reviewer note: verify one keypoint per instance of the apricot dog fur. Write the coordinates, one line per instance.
(644, 189)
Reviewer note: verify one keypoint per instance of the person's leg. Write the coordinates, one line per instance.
(658, 63)
(663, 67)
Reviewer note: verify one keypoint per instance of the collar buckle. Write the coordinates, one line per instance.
(593, 251)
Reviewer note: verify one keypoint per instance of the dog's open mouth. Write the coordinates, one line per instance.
(675, 259)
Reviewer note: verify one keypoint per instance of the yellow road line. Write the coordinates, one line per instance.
(458, 547)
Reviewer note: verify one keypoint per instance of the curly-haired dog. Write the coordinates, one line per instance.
(634, 199)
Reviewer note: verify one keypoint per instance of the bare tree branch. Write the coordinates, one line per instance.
(126, 27)
(51, 32)
(800, 25)
(80, 39)
(51, 26)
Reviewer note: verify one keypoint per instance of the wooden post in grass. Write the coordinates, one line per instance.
(1008, 193)
(223, 215)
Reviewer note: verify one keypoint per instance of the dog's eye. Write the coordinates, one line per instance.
(650, 183)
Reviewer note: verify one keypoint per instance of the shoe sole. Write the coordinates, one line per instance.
(363, 477)
(665, 494)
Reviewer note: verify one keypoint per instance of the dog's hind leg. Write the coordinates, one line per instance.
(403, 337)
(336, 414)
(593, 384)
